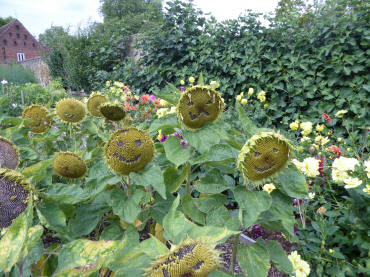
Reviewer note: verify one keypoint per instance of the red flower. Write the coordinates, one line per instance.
(326, 117)
(335, 150)
(144, 98)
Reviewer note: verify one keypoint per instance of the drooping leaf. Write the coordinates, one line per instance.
(15, 238)
(175, 153)
(292, 182)
(254, 260)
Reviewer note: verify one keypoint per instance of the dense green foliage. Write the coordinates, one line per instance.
(32, 94)
(16, 74)
(83, 60)
(305, 69)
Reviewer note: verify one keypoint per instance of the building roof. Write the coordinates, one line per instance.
(3, 29)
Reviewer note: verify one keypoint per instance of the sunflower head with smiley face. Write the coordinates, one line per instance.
(264, 155)
(199, 105)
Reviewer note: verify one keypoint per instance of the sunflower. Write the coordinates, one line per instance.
(129, 150)
(264, 155)
(70, 110)
(94, 102)
(193, 258)
(69, 165)
(199, 105)
(15, 192)
(9, 154)
(112, 111)
(39, 117)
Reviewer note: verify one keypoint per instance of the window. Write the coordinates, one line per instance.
(10, 34)
(17, 27)
(25, 44)
(25, 36)
(20, 57)
(4, 41)
(33, 45)
(15, 43)
(18, 35)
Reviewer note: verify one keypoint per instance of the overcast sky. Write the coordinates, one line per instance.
(39, 15)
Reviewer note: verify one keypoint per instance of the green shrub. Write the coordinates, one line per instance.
(16, 74)
(305, 69)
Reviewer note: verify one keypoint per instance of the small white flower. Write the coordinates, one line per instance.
(4, 82)
(367, 168)
(339, 175)
(14, 105)
(341, 113)
(352, 183)
(311, 195)
(269, 187)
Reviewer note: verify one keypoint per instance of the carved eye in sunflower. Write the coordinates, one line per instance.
(263, 155)
(39, 117)
(129, 150)
(199, 105)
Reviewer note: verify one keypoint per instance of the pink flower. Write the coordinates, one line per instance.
(152, 97)
(182, 89)
(326, 117)
(184, 144)
(163, 138)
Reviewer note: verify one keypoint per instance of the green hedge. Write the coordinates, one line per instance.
(315, 63)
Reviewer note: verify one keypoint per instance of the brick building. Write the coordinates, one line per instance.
(17, 44)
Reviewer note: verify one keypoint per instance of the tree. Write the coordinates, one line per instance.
(6, 20)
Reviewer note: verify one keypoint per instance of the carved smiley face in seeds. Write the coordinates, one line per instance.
(199, 105)
(129, 150)
(70, 110)
(263, 155)
(39, 117)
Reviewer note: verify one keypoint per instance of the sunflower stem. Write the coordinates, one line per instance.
(188, 190)
(235, 251)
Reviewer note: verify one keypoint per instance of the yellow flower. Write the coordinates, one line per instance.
(306, 128)
(250, 91)
(191, 79)
(163, 103)
(344, 164)
(304, 138)
(331, 251)
(311, 195)
(172, 110)
(244, 101)
(341, 113)
(339, 175)
(182, 82)
(294, 125)
(136, 97)
(310, 167)
(108, 83)
(159, 135)
(367, 168)
(339, 139)
(266, 105)
(320, 127)
(239, 98)
(161, 112)
(367, 189)
(318, 138)
(261, 96)
(325, 140)
(300, 267)
(269, 187)
(352, 183)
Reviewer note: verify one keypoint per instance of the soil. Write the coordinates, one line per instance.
(254, 233)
